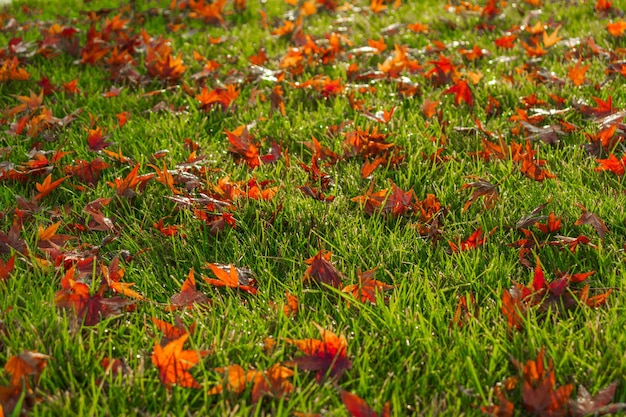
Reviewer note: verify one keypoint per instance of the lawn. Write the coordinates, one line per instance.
(302, 208)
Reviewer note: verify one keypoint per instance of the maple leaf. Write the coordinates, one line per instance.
(549, 40)
(28, 363)
(593, 220)
(577, 73)
(272, 382)
(165, 177)
(235, 379)
(172, 331)
(462, 92)
(477, 238)
(395, 202)
(504, 408)
(367, 288)
(616, 29)
(6, 268)
(96, 140)
(189, 295)
(232, 278)
(599, 404)
(173, 362)
(89, 309)
(429, 108)
(126, 187)
(88, 172)
(612, 164)
(292, 305)
(327, 356)
(466, 309)
(47, 186)
(30, 102)
(223, 97)
(552, 225)
(165, 230)
(506, 42)
(482, 188)
(321, 271)
(242, 146)
(539, 395)
(357, 407)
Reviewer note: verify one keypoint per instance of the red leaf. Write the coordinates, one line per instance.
(188, 295)
(327, 356)
(462, 92)
(321, 271)
(357, 407)
(6, 268)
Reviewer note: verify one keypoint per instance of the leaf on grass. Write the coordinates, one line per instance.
(598, 405)
(322, 271)
(593, 220)
(612, 164)
(553, 224)
(577, 73)
(477, 238)
(96, 140)
(24, 365)
(327, 356)
(616, 29)
(189, 295)
(232, 278)
(272, 382)
(482, 188)
(539, 394)
(367, 288)
(462, 93)
(466, 309)
(6, 268)
(173, 363)
(357, 407)
(292, 305)
(47, 186)
(235, 379)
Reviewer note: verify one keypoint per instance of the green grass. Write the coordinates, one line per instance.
(407, 351)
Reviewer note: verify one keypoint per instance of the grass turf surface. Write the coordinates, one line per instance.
(410, 347)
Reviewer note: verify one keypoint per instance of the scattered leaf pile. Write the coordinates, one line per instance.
(74, 177)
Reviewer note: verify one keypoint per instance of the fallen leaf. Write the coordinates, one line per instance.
(327, 356)
(173, 363)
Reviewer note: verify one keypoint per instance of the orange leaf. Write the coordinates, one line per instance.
(506, 42)
(47, 186)
(235, 379)
(173, 363)
(292, 305)
(273, 382)
(616, 28)
(429, 108)
(357, 407)
(367, 288)
(172, 332)
(231, 279)
(24, 365)
(577, 73)
(327, 356)
(549, 40)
